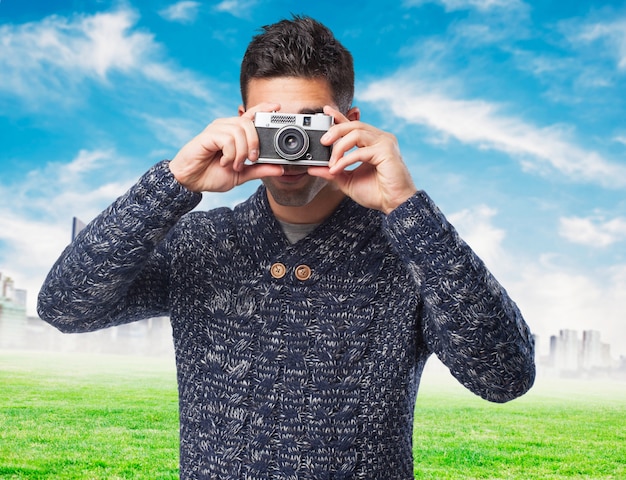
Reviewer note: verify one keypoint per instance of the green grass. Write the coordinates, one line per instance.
(561, 429)
(75, 417)
(107, 417)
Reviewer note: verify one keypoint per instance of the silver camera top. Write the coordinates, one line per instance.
(316, 121)
(292, 138)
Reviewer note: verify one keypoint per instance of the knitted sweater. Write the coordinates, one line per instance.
(294, 360)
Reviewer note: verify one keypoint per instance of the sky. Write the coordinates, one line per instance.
(510, 114)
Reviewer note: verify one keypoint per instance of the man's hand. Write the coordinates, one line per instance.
(214, 161)
(382, 181)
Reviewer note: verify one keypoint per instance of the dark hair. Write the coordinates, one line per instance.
(301, 47)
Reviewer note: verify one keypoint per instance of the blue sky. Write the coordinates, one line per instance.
(510, 114)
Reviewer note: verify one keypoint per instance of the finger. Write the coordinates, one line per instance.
(261, 107)
(245, 140)
(250, 129)
(243, 146)
(360, 155)
(230, 139)
(258, 171)
(252, 140)
(340, 130)
(333, 134)
(352, 139)
(352, 142)
(235, 137)
(322, 172)
(336, 114)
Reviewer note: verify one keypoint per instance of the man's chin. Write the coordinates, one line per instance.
(294, 189)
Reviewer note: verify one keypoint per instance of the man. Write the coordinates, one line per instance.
(303, 317)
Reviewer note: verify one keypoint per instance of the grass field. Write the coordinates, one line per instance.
(111, 417)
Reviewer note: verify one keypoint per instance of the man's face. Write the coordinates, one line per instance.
(295, 95)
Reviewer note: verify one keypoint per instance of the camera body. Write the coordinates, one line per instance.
(292, 138)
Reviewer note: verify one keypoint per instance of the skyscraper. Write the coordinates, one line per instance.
(12, 313)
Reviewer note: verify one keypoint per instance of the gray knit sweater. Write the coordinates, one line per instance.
(294, 361)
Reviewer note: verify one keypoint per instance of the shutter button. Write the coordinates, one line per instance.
(278, 270)
(303, 272)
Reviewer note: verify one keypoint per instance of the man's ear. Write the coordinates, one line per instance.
(241, 110)
(354, 114)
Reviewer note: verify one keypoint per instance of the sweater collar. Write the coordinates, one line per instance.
(262, 237)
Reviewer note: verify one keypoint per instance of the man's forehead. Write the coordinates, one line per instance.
(310, 95)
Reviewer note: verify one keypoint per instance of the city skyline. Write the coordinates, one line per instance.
(570, 354)
(567, 351)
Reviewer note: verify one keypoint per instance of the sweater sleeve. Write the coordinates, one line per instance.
(468, 319)
(115, 271)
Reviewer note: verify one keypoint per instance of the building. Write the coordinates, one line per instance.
(571, 356)
(592, 355)
(18, 331)
(13, 320)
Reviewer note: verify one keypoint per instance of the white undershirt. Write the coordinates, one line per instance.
(297, 231)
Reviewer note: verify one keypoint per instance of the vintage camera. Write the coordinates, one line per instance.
(292, 138)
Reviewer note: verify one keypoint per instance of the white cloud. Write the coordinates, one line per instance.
(85, 162)
(611, 33)
(482, 124)
(237, 8)
(31, 248)
(173, 131)
(551, 296)
(44, 239)
(48, 60)
(36, 212)
(182, 12)
(476, 228)
(592, 232)
(93, 45)
(57, 191)
(552, 299)
(481, 5)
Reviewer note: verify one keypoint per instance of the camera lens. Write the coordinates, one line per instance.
(291, 142)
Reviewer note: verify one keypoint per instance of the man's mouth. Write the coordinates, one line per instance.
(294, 170)
(293, 174)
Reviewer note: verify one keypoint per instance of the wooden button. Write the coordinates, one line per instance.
(278, 270)
(303, 272)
